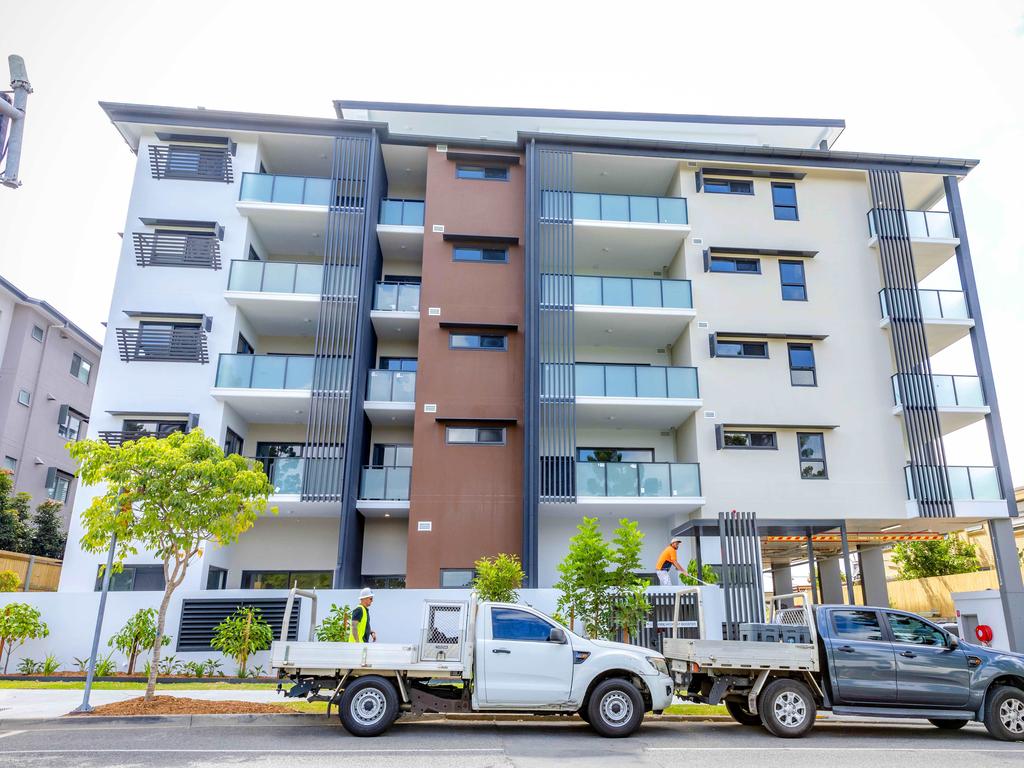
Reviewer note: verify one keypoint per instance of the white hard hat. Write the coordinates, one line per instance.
(367, 592)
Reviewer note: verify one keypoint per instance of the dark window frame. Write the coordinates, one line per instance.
(802, 285)
(76, 370)
(67, 478)
(463, 168)
(735, 261)
(742, 355)
(384, 580)
(64, 428)
(854, 609)
(218, 576)
(480, 337)
(248, 576)
(471, 571)
(10, 464)
(729, 183)
(482, 250)
(27, 402)
(231, 437)
(889, 615)
(384, 364)
(750, 446)
(813, 368)
(581, 449)
(42, 333)
(477, 441)
(777, 206)
(823, 461)
(117, 579)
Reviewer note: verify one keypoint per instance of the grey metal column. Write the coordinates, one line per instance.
(741, 570)
(1011, 585)
(847, 568)
(812, 568)
(531, 372)
(872, 576)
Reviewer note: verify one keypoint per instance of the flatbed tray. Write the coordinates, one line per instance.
(316, 658)
(740, 655)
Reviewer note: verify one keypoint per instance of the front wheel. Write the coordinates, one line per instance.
(369, 706)
(787, 708)
(739, 712)
(615, 708)
(1004, 713)
(948, 725)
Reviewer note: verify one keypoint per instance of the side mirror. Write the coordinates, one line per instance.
(953, 643)
(556, 636)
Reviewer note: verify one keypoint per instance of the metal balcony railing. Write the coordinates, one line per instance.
(597, 380)
(899, 303)
(924, 483)
(637, 479)
(116, 437)
(275, 277)
(886, 222)
(616, 291)
(946, 391)
(604, 207)
(391, 386)
(406, 213)
(177, 345)
(385, 483)
(163, 249)
(397, 297)
(187, 162)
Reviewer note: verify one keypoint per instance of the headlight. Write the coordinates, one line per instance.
(659, 664)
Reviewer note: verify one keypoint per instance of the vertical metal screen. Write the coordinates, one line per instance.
(741, 578)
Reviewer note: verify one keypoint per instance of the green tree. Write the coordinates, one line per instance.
(47, 535)
(498, 578)
(690, 577)
(335, 626)
(138, 633)
(242, 634)
(583, 578)
(19, 622)
(171, 497)
(943, 557)
(9, 581)
(628, 591)
(14, 531)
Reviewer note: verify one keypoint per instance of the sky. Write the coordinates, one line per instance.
(923, 78)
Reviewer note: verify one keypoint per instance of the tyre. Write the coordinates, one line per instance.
(584, 715)
(948, 725)
(369, 706)
(739, 712)
(787, 708)
(1004, 713)
(615, 708)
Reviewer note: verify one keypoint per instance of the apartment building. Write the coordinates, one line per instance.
(450, 332)
(48, 370)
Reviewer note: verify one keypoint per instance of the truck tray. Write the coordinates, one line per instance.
(736, 654)
(328, 658)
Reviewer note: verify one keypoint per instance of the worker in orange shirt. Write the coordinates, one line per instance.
(665, 562)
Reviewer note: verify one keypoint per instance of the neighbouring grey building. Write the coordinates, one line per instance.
(48, 368)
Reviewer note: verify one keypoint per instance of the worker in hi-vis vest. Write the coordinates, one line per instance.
(665, 563)
(359, 623)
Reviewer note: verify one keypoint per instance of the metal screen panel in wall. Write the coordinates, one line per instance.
(199, 618)
(741, 571)
(928, 477)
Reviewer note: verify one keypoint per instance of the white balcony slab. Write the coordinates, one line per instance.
(929, 253)
(287, 227)
(969, 509)
(624, 506)
(634, 412)
(278, 314)
(266, 406)
(392, 325)
(400, 243)
(954, 417)
(291, 505)
(384, 413)
(939, 333)
(644, 246)
(383, 508)
(599, 325)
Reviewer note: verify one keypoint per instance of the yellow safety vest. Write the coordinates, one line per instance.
(357, 632)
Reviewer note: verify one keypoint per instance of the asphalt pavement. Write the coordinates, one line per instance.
(426, 744)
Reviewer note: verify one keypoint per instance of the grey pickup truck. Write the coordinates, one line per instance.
(852, 660)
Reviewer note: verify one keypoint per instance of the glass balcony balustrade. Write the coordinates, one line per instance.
(637, 480)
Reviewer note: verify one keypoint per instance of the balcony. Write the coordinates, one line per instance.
(390, 397)
(272, 389)
(162, 345)
(400, 230)
(384, 491)
(170, 249)
(288, 476)
(642, 231)
(958, 399)
(639, 396)
(396, 311)
(630, 488)
(190, 163)
(117, 437)
(279, 298)
(623, 311)
(975, 491)
(944, 314)
(290, 212)
(932, 240)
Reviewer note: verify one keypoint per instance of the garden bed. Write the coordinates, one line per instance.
(78, 677)
(176, 705)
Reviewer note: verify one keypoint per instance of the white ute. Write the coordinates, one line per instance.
(476, 657)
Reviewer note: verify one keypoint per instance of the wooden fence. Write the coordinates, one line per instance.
(933, 595)
(41, 573)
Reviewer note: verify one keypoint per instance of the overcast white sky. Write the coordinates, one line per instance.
(935, 78)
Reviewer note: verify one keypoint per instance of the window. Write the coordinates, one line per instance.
(37, 333)
(155, 428)
(253, 256)
(811, 446)
(232, 442)
(472, 253)
(392, 455)
(57, 485)
(134, 578)
(857, 625)
(69, 425)
(794, 282)
(729, 186)
(488, 172)
(615, 455)
(475, 435)
(801, 366)
(784, 201)
(243, 347)
(80, 368)
(755, 349)
(10, 463)
(478, 341)
(216, 578)
(742, 266)
(397, 364)
(24, 396)
(388, 581)
(457, 578)
(757, 440)
(287, 579)
(910, 629)
(512, 624)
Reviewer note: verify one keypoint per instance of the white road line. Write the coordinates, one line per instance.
(174, 750)
(9, 733)
(964, 748)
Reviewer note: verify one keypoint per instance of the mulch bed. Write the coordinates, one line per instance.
(177, 705)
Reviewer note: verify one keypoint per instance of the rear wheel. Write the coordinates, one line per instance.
(787, 708)
(1004, 713)
(615, 708)
(739, 712)
(584, 715)
(948, 725)
(369, 706)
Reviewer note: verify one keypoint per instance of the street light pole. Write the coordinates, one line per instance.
(84, 706)
(14, 115)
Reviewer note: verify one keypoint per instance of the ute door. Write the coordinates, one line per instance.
(522, 666)
(928, 671)
(863, 660)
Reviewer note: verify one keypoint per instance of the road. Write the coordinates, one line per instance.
(476, 745)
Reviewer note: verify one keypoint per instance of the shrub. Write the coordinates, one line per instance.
(47, 537)
(29, 667)
(194, 669)
(241, 634)
(138, 634)
(212, 667)
(336, 625)
(50, 664)
(9, 581)
(170, 665)
(106, 666)
(82, 664)
(19, 622)
(498, 578)
(945, 557)
(690, 577)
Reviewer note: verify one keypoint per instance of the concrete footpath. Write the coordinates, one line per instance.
(41, 704)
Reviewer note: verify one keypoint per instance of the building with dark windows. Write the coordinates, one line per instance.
(449, 332)
(48, 370)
